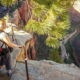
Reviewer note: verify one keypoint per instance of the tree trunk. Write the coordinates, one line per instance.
(64, 54)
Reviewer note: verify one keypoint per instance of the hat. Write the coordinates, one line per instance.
(3, 11)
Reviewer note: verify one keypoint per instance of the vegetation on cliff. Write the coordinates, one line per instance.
(49, 18)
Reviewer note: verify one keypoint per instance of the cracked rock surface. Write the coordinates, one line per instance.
(46, 70)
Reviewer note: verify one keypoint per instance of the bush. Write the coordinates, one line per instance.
(55, 55)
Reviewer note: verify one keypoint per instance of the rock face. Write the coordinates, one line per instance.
(75, 14)
(25, 11)
(20, 38)
(23, 14)
(46, 70)
(75, 23)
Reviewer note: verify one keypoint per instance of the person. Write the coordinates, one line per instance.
(5, 58)
(4, 37)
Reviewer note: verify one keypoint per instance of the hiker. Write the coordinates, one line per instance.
(4, 37)
(5, 58)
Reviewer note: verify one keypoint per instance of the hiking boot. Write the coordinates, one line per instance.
(2, 70)
(10, 73)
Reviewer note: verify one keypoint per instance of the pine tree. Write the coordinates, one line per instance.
(7, 2)
(50, 18)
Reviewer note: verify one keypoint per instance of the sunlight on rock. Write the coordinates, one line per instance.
(77, 5)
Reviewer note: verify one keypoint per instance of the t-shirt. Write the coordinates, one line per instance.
(0, 25)
(2, 35)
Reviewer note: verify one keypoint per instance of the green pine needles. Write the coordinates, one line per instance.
(7, 2)
(50, 17)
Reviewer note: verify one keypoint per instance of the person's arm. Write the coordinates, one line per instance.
(9, 42)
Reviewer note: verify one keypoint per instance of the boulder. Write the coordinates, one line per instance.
(20, 38)
(46, 70)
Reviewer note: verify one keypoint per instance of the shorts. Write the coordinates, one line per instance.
(5, 60)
